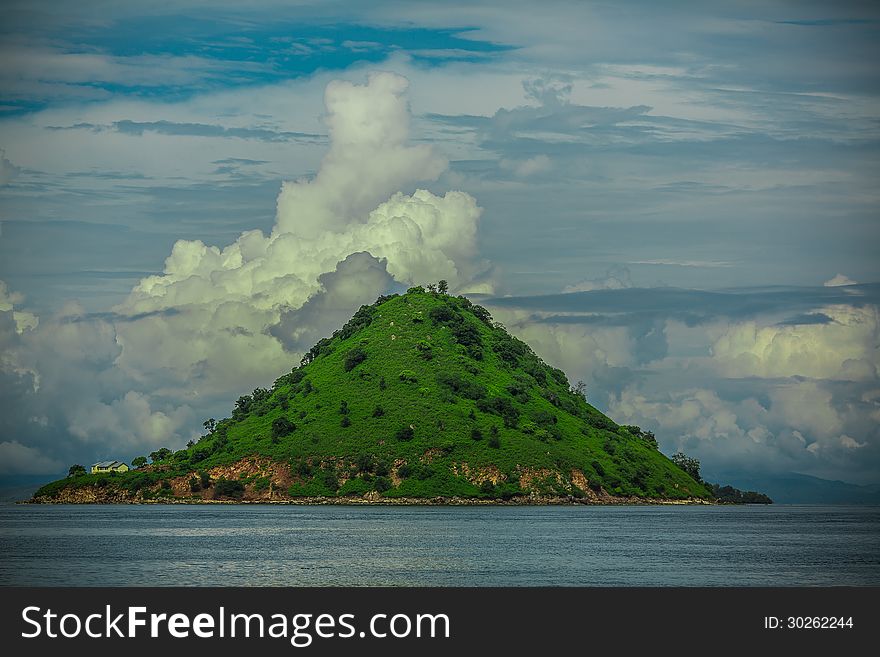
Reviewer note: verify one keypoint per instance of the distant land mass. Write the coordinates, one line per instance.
(419, 398)
(794, 488)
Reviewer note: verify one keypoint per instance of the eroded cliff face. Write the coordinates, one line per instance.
(248, 471)
(89, 495)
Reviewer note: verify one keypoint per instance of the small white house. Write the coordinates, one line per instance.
(109, 466)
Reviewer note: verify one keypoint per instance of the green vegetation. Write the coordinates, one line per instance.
(228, 488)
(354, 358)
(731, 495)
(688, 464)
(418, 395)
(281, 427)
(160, 454)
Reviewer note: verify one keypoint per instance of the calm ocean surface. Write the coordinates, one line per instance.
(439, 546)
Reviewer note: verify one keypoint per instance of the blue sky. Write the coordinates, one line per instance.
(664, 193)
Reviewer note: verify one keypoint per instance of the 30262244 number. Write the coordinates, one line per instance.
(819, 622)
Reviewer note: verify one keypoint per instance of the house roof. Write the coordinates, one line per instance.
(107, 464)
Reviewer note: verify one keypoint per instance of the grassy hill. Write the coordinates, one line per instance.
(419, 395)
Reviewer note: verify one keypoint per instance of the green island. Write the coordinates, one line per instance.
(420, 398)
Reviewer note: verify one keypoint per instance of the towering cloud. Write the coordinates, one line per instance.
(220, 315)
(370, 157)
(220, 320)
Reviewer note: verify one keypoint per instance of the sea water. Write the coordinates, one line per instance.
(255, 545)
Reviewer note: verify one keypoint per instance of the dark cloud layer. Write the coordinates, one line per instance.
(694, 306)
(204, 130)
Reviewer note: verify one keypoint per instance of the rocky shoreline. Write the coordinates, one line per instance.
(86, 496)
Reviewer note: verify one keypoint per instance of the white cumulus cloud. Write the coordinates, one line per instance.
(220, 320)
(845, 348)
(8, 300)
(839, 280)
(369, 158)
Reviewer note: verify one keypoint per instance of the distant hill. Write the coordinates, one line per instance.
(794, 488)
(419, 396)
(14, 488)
